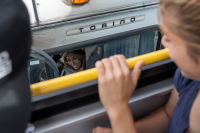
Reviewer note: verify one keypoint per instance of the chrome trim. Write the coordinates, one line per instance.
(94, 15)
(35, 11)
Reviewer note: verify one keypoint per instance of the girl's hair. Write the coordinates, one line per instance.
(81, 53)
(183, 18)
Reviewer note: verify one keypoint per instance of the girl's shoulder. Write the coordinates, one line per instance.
(182, 83)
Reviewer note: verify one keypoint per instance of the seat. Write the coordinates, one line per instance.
(129, 46)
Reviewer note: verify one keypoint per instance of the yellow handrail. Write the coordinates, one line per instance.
(91, 74)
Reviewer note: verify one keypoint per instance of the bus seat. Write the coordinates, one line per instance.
(129, 46)
(146, 44)
(94, 55)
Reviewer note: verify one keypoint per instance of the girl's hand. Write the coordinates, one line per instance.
(42, 80)
(102, 130)
(116, 83)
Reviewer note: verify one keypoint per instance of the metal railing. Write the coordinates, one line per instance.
(91, 74)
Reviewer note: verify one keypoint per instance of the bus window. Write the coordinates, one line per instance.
(128, 46)
(41, 66)
(80, 59)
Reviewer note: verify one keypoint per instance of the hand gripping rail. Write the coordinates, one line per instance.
(91, 74)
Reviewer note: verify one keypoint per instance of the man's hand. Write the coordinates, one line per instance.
(116, 83)
(101, 130)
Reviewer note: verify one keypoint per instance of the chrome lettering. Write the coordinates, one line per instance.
(93, 27)
(122, 21)
(132, 19)
(81, 29)
(104, 25)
